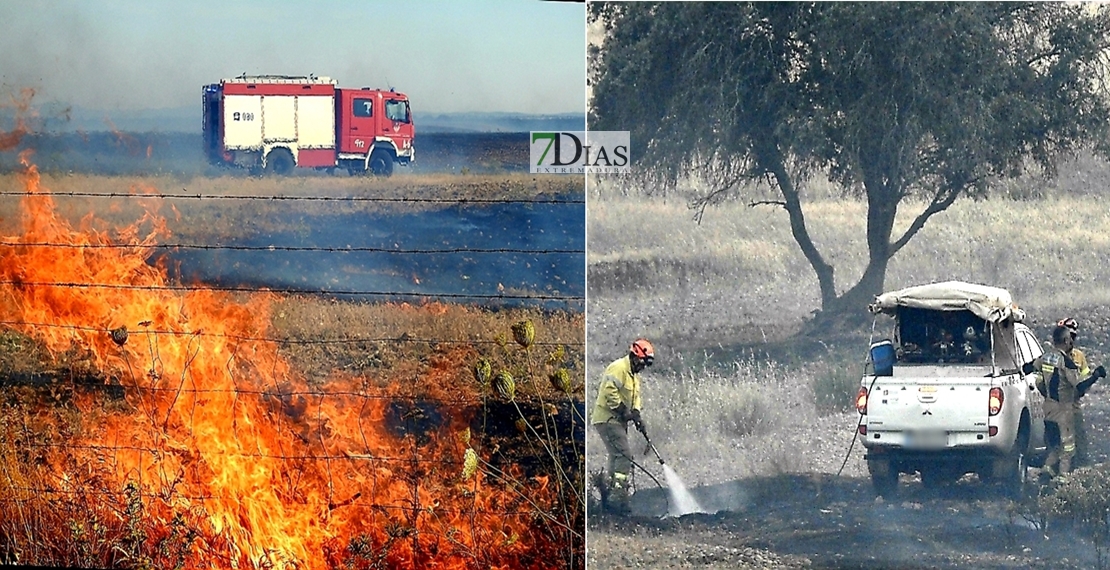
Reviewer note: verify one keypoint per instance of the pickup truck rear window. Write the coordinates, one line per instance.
(927, 336)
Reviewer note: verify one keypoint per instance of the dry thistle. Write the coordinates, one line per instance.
(524, 333)
(482, 370)
(560, 380)
(470, 463)
(505, 385)
(556, 356)
(119, 336)
(521, 425)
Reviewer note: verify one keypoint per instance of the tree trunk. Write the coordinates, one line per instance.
(793, 204)
(882, 207)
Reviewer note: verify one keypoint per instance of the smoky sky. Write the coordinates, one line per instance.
(449, 56)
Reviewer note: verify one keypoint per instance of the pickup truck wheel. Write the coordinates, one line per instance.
(884, 478)
(381, 164)
(1010, 472)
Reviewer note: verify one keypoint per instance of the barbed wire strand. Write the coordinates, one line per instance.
(291, 290)
(353, 457)
(284, 340)
(86, 491)
(281, 198)
(278, 395)
(344, 249)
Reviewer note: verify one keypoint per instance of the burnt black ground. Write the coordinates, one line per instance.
(829, 522)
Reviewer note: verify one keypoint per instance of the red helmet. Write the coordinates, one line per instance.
(643, 350)
(1070, 324)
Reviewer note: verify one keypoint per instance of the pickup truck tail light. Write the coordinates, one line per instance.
(994, 401)
(861, 401)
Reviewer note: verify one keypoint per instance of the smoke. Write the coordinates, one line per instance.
(522, 57)
(21, 104)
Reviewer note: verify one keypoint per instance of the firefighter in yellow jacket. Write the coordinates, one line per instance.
(1080, 360)
(619, 402)
(1061, 385)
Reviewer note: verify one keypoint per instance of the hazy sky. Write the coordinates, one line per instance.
(448, 56)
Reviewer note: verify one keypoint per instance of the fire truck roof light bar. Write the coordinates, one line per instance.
(312, 78)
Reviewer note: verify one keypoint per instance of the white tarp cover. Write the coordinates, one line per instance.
(988, 303)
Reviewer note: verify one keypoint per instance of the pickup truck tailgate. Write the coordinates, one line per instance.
(929, 402)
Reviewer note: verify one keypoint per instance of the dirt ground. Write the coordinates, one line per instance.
(817, 519)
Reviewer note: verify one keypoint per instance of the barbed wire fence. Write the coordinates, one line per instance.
(566, 525)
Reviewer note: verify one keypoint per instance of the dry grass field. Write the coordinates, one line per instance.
(736, 396)
(715, 296)
(197, 209)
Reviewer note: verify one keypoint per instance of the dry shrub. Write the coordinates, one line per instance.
(835, 384)
(1081, 499)
(751, 412)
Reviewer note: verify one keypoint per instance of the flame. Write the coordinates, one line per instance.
(223, 437)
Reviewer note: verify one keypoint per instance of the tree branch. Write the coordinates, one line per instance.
(699, 204)
(944, 198)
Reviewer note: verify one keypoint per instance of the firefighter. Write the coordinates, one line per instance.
(1059, 382)
(1080, 360)
(618, 402)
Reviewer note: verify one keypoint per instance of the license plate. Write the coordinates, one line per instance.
(927, 440)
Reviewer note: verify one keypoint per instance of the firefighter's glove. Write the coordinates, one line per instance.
(621, 413)
(639, 422)
(1085, 385)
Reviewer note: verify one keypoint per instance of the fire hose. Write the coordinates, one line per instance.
(648, 473)
(651, 446)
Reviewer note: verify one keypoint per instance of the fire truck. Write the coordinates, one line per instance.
(274, 123)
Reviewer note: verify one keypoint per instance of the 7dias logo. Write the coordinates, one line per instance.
(579, 152)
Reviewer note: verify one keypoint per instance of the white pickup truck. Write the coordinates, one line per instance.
(946, 395)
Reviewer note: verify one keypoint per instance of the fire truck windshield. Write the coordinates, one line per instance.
(397, 111)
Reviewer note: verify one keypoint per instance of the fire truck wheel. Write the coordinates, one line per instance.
(381, 164)
(280, 162)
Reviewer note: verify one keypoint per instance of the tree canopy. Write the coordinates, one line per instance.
(887, 100)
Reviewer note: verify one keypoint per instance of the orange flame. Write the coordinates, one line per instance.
(268, 470)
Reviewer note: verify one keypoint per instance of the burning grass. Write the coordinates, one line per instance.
(232, 431)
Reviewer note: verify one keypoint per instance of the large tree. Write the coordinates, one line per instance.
(888, 100)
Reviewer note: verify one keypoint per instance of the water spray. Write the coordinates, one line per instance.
(681, 502)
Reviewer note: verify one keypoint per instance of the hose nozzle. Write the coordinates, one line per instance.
(651, 446)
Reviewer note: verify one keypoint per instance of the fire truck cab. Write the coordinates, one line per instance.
(277, 123)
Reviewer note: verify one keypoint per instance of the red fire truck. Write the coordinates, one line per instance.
(277, 123)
